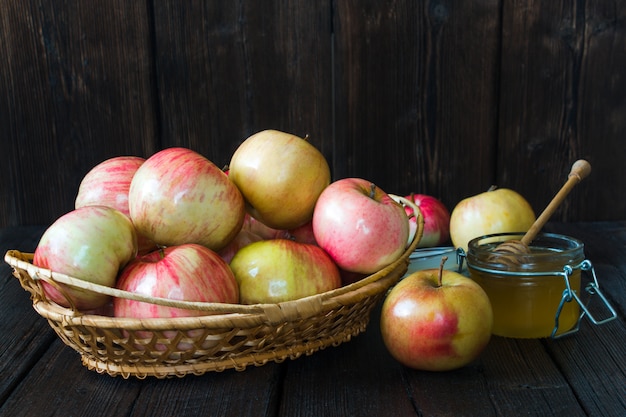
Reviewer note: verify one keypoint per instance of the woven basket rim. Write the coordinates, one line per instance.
(268, 313)
(216, 312)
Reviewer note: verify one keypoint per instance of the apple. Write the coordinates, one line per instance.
(280, 176)
(107, 184)
(253, 225)
(498, 210)
(243, 238)
(436, 320)
(436, 220)
(90, 243)
(277, 270)
(302, 234)
(178, 196)
(188, 272)
(360, 226)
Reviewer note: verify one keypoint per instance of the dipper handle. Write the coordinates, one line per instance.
(580, 170)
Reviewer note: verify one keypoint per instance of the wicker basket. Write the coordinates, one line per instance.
(229, 336)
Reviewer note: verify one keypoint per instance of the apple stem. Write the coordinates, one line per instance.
(372, 190)
(443, 261)
(492, 188)
(162, 252)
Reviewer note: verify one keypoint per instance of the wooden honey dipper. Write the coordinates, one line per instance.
(580, 170)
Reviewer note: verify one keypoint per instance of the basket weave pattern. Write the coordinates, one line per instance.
(253, 335)
(228, 336)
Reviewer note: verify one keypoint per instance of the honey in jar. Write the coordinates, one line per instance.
(525, 292)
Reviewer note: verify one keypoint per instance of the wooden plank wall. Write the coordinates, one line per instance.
(439, 97)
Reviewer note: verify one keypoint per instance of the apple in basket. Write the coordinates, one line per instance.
(280, 175)
(436, 220)
(436, 320)
(277, 270)
(107, 184)
(91, 243)
(188, 272)
(178, 196)
(243, 238)
(495, 211)
(256, 227)
(302, 234)
(360, 226)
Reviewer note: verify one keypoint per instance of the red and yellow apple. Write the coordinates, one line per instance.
(277, 270)
(91, 243)
(178, 196)
(253, 225)
(436, 220)
(302, 234)
(495, 211)
(360, 226)
(436, 320)
(107, 184)
(280, 176)
(188, 272)
(243, 238)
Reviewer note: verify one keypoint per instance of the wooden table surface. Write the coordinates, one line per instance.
(581, 375)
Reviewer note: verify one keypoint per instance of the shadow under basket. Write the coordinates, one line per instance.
(228, 336)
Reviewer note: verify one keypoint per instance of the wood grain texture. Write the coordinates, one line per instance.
(441, 97)
(415, 93)
(596, 377)
(503, 371)
(332, 382)
(226, 70)
(26, 335)
(253, 392)
(562, 99)
(76, 89)
(104, 397)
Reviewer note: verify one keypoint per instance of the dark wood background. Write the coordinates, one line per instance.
(439, 97)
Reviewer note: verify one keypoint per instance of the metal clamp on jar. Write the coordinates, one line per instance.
(537, 295)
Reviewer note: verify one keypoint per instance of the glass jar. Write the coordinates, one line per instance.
(527, 291)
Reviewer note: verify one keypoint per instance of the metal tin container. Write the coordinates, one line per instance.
(532, 294)
(430, 258)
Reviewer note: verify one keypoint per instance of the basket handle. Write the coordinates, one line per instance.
(12, 257)
(276, 313)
